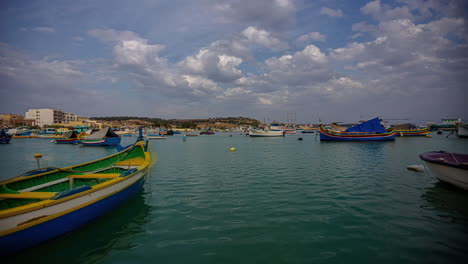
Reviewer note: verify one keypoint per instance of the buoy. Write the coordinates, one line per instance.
(299, 139)
(232, 149)
(415, 167)
(38, 157)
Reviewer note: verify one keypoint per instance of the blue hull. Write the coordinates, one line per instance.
(37, 234)
(5, 140)
(325, 137)
(113, 141)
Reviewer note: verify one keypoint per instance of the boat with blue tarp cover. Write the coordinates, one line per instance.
(371, 130)
(46, 203)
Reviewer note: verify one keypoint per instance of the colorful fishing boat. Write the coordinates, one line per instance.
(46, 203)
(104, 137)
(4, 137)
(448, 167)
(410, 130)
(71, 137)
(370, 130)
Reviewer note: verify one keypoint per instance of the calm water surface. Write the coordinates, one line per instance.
(273, 200)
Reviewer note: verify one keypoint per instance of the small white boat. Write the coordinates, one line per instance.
(462, 130)
(156, 137)
(265, 132)
(448, 167)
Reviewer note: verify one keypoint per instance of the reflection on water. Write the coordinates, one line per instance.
(93, 242)
(446, 198)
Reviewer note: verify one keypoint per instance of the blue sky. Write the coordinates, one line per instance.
(328, 60)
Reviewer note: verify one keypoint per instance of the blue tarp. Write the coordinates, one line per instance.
(372, 125)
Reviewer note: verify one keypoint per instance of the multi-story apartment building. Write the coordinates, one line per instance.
(46, 116)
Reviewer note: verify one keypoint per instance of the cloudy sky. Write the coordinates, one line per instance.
(333, 60)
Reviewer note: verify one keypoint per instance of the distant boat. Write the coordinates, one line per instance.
(410, 130)
(47, 133)
(462, 130)
(4, 137)
(43, 204)
(370, 130)
(155, 137)
(207, 133)
(265, 132)
(448, 167)
(104, 137)
(71, 137)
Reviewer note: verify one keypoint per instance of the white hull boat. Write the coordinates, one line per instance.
(266, 133)
(448, 167)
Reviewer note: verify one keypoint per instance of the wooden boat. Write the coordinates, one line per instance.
(410, 130)
(4, 137)
(70, 137)
(46, 203)
(266, 132)
(207, 133)
(448, 167)
(370, 130)
(104, 137)
(462, 130)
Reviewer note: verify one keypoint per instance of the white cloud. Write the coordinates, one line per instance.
(263, 38)
(44, 29)
(331, 12)
(314, 36)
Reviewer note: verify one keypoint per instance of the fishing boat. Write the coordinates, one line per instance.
(46, 203)
(4, 137)
(410, 130)
(207, 133)
(47, 133)
(71, 137)
(265, 132)
(370, 130)
(104, 137)
(448, 167)
(462, 130)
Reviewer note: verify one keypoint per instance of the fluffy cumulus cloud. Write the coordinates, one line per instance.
(311, 36)
(263, 38)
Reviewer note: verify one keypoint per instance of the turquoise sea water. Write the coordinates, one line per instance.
(273, 200)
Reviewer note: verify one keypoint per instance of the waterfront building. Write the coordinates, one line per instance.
(46, 116)
(14, 120)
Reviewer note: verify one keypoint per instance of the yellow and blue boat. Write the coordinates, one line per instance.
(410, 130)
(46, 203)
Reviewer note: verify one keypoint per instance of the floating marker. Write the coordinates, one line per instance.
(38, 157)
(232, 149)
(415, 167)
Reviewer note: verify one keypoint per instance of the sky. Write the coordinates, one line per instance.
(323, 60)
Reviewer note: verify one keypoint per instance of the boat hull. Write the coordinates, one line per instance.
(327, 135)
(67, 141)
(113, 141)
(412, 133)
(261, 133)
(455, 176)
(80, 211)
(462, 130)
(5, 140)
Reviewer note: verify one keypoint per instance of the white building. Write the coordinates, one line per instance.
(43, 117)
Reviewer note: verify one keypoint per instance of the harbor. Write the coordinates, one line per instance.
(321, 201)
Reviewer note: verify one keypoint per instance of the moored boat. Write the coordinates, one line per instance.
(104, 137)
(265, 132)
(410, 130)
(156, 137)
(4, 137)
(43, 204)
(71, 137)
(370, 130)
(448, 167)
(462, 130)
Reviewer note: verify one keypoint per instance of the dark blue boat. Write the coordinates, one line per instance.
(4, 137)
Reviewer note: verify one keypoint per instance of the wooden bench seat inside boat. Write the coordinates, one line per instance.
(138, 161)
(95, 175)
(27, 195)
